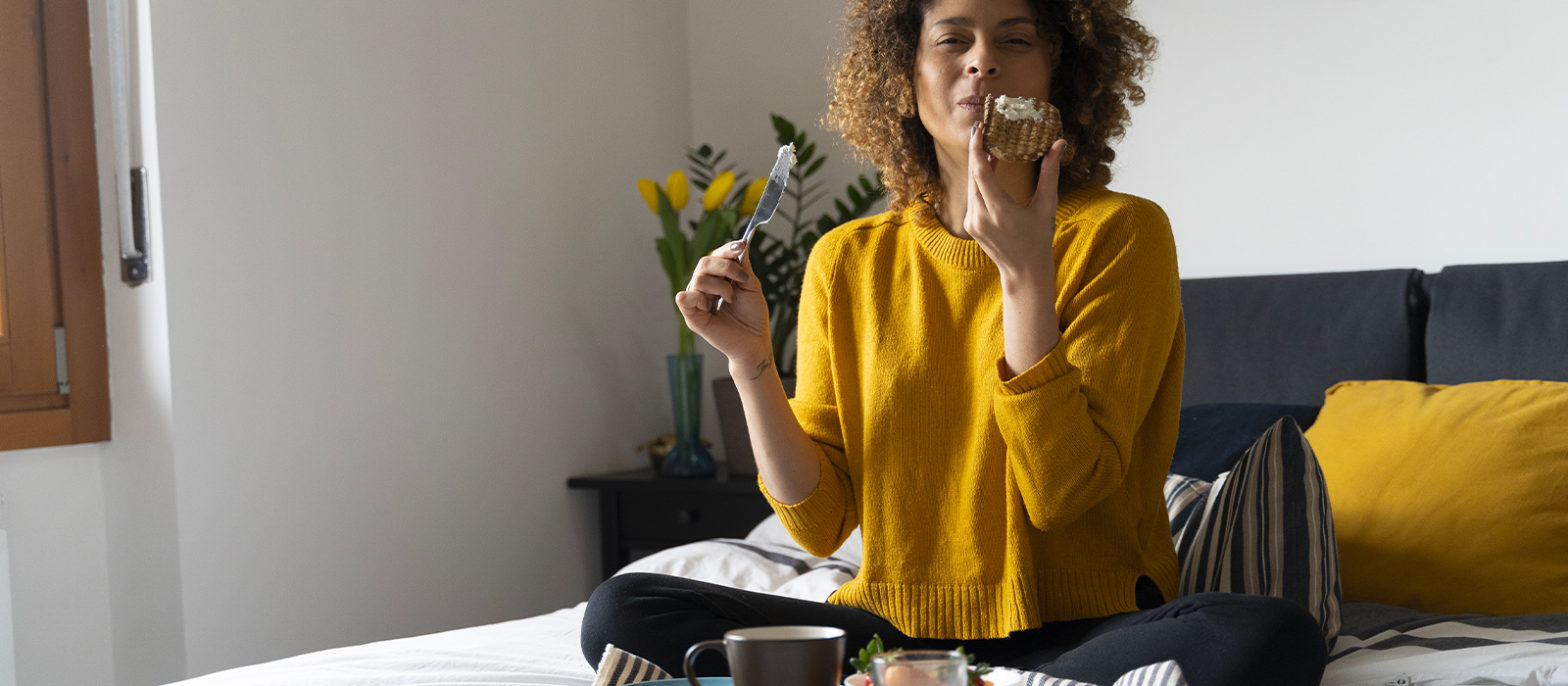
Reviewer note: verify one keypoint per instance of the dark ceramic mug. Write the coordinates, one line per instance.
(778, 655)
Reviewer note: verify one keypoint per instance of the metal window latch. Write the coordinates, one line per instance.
(134, 270)
(62, 377)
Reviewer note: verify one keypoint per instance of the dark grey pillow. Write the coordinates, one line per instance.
(1213, 436)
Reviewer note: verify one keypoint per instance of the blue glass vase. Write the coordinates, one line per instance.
(688, 459)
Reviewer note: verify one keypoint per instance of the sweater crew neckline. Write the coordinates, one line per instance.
(966, 253)
(963, 253)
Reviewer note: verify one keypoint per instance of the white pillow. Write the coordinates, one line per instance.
(750, 565)
(771, 530)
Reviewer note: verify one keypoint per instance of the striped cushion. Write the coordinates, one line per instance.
(1185, 498)
(618, 667)
(1265, 528)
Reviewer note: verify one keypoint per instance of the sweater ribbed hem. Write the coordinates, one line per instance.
(1165, 570)
(996, 610)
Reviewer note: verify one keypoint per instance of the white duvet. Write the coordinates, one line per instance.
(536, 650)
(544, 649)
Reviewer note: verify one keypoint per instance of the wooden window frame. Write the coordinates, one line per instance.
(82, 415)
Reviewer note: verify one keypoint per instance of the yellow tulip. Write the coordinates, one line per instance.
(675, 187)
(718, 191)
(753, 195)
(650, 193)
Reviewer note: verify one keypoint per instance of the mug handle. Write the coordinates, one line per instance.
(691, 657)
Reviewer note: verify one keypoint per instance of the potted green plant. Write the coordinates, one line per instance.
(778, 257)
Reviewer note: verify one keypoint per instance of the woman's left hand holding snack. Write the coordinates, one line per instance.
(1017, 237)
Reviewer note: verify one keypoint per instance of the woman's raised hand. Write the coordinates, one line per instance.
(739, 329)
(1017, 237)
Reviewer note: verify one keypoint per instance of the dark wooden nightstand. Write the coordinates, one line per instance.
(640, 512)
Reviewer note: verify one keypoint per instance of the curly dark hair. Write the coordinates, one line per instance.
(1099, 54)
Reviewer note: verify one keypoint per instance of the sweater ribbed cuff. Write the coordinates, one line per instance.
(1051, 367)
(816, 522)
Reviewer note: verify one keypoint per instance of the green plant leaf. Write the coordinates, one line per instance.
(673, 236)
(815, 166)
(702, 233)
(784, 128)
(862, 662)
(711, 233)
(667, 259)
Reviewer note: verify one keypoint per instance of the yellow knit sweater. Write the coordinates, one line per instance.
(989, 504)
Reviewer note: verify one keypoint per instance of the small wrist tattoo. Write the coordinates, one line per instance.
(761, 367)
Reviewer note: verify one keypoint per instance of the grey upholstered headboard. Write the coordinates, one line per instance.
(1498, 321)
(1287, 338)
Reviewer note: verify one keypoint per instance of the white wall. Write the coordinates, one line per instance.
(412, 289)
(739, 77)
(1280, 137)
(359, 186)
(1310, 136)
(53, 514)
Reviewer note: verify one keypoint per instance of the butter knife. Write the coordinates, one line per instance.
(768, 204)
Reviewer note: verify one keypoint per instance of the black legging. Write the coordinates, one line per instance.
(1217, 638)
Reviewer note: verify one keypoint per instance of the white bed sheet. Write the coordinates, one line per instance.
(540, 650)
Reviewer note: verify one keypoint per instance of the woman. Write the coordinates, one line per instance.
(989, 377)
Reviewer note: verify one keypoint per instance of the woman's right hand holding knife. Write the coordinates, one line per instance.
(786, 456)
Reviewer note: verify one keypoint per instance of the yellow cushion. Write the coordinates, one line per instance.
(1449, 498)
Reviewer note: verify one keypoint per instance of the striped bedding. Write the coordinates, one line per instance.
(1382, 644)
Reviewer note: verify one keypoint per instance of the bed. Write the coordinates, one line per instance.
(1378, 645)
(1258, 347)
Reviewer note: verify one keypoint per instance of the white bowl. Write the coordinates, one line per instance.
(1001, 676)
